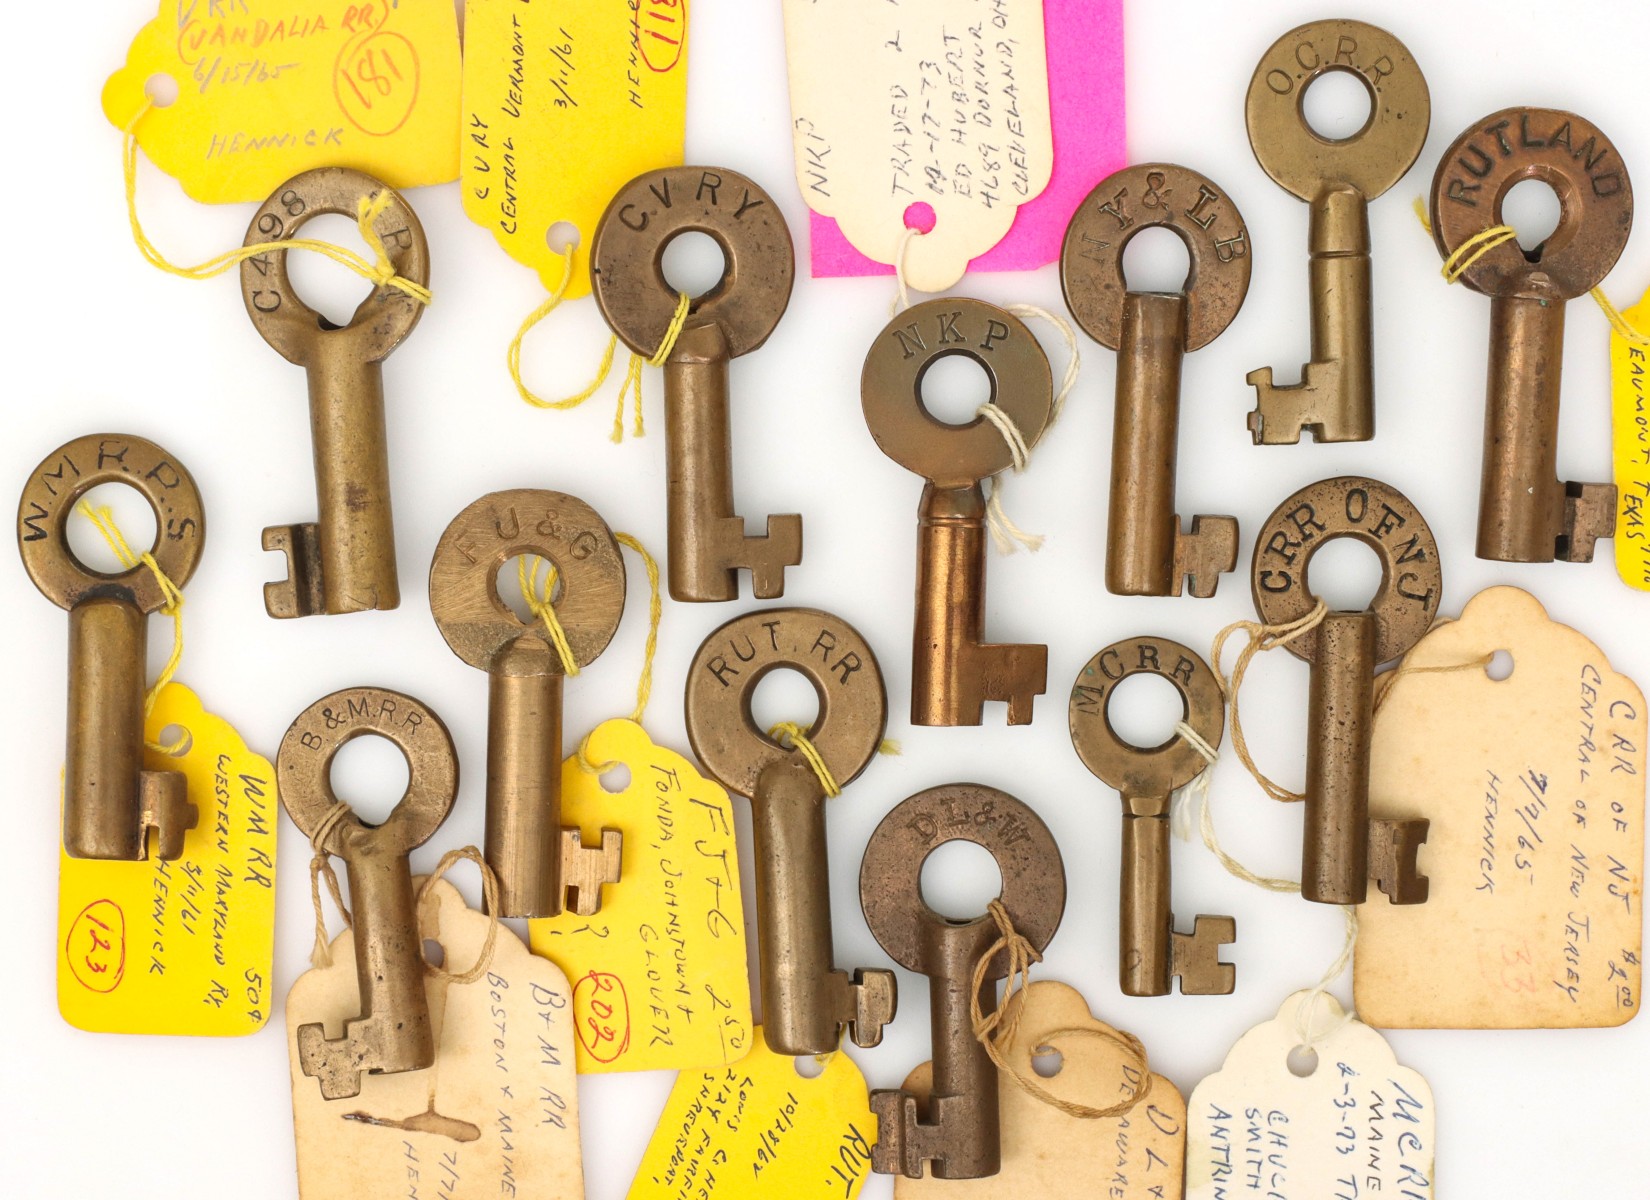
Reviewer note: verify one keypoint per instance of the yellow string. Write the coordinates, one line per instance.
(644, 683)
(381, 273)
(996, 1030)
(104, 519)
(632, 384)
(792, 736)
(1485, 240)
(1261, 638)
(538, 603)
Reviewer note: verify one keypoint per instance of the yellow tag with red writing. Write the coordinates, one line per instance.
(269, 88)
(181, 947)
(564, 104)
(1630, 402)
(760, 1129)
(659, 975)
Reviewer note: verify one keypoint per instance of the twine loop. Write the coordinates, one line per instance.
(537, 596)
(793, 737)
(996, 1030)
(632, 384)
(320, 867)
(489, 893)
(1262, 637)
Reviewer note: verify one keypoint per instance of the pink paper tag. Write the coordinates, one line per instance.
(1085, 83)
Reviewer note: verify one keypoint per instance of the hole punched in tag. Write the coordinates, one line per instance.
(819, 662)
(1152, 953)
(110, 801)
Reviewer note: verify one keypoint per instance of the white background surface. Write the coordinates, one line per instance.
(100, 341)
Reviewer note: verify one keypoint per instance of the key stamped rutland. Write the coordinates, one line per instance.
(954, 670)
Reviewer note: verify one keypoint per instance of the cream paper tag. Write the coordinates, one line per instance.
(497, 1115)
(936, 102)
(1358, 1125)
(1137, 1156)
(1534, 785)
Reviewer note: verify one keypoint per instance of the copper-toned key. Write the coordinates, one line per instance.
(954, 670)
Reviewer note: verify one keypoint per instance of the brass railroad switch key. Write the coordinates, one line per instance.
(1343, 848)
(1338, 178)
(110, 803)
(954, 670)
(1152, 953)
(708, 542)
(1147, 554)
(393, 1032)
(1524, 513)
(345, 562)
(542, 867)
(806, 1001)
(957, 1129)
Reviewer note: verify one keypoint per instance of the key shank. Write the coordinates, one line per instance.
(1336, 396)
(1340, 719)
(1525, 514)
(109, 801)
(708, 543)
(523, 845)
(1146, 926)
(954, 671)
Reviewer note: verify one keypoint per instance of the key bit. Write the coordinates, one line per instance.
(110, 801)
(1151, 952)
(345, 562)
(1525, 514)
(708, 542)
(957, 1130)
(542, 866)
(1342, 847)
(1337, 177)
(954, 670)
(1146, 552)
(806, 1001)
(393, 1032)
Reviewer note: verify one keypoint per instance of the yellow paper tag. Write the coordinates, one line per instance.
(498, 1113)
(659, 974)
(564, 103)
(1630, 400)
(180, 947)
(269, 88)
(759, 1130)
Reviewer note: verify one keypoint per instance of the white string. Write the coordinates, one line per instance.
(1179, 818)
(902, 295)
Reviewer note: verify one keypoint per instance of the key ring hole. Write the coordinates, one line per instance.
(1500, 667)
(696, 262)
(1534, 206)
(1338, 105)
(134, 516)
(1346, 574)
(371, 774)
(783, 694)
(959, 879)
(1157, 259)
(1147, 717)
(507, 584)
(329, 289)
(953, 386)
